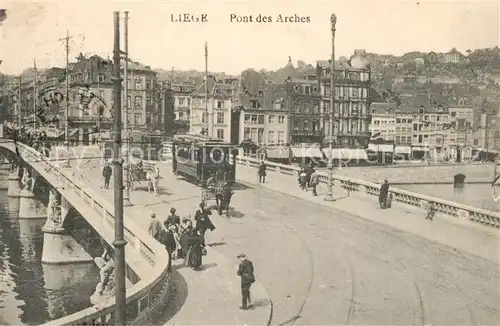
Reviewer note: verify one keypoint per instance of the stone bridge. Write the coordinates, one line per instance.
(33, 176)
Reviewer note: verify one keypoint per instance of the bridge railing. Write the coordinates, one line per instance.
(149, 260)
(449, 208)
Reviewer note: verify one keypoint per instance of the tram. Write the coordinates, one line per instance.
(197, 157)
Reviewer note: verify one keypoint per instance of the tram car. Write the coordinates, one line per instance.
(198, 157)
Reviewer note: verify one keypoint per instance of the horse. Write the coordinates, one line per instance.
(223, 198)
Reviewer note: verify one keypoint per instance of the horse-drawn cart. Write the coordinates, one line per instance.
(221, 193)
(139, 172)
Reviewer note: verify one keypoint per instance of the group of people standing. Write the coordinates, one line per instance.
(308, 178)
(180, 238)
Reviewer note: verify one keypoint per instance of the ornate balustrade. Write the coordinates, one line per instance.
(457, 210)
(148, 259)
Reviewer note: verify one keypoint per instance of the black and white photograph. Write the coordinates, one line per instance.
(270, 162)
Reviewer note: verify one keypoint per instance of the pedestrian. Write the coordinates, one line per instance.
(155, 227)
(168, 240)
(262, 172)
(172, 219)
(314, 182)
(246, 273)
(202, 219)
(106, 173)
(384, 192)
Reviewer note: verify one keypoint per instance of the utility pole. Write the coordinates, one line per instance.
(329, 188)
(119, 242)
(206, 87)
(34, 95)
(98, 115)
(67, 163)
(126, 198)
(19, 101)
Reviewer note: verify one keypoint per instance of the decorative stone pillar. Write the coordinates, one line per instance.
(58, 246)
(14, 184)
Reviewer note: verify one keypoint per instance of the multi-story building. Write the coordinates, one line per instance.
(305, 115)
(264, 114)
(383, 123)
(454, 56)
(182, 100)
(351, 102)
(431, 134)
(212, 117)
(403, 133)
(462, 128)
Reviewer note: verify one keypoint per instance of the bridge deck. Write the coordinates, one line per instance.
(318, 261)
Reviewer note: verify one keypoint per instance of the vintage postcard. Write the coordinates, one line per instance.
(271, 162)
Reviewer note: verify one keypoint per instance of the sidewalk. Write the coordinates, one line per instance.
(213, 294)
(478, 240)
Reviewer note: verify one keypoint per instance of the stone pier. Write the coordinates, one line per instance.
(31, 207)
(58, 246)
(14, 184)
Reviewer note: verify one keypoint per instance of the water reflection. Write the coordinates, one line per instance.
(29, 293)
(476, 195)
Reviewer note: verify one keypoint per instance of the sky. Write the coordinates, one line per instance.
(33, 31)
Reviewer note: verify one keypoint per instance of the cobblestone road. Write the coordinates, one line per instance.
(324, 266)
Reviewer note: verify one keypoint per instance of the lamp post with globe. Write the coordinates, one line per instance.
(331, 135)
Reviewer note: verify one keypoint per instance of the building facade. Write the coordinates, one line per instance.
(351, 100)
(432, 134)
(212, 117)
(182, 101)
(264, 114)
(462, 127)
(305, 116)
(383, 123)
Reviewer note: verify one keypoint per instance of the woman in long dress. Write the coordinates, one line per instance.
(196, 250)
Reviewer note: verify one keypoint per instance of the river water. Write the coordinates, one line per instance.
(476, 195)
(31, 292)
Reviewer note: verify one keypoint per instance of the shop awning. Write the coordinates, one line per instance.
(420, 149)
(403, 149)
(386, 148)
(347, 153)
(278, 153)
(307, 152)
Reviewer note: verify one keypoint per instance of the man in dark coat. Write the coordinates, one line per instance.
(168, 240)
(203, 222)
(245, 272)
(262, 172)
(384, 192)
(106, 173)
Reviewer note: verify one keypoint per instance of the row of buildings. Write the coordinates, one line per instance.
(433, 131)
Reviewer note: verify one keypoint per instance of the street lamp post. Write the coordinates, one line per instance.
(119, 242)
(329, 187)
(126, 197)
(66, 163)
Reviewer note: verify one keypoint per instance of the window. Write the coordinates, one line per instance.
(415, 127)
(220, 104)
(148, 84)
(281, 119)
(355, 92)
(220, 117)
(476, 142)
(220, 133)
(307, 89)
(148, 101)
(181, 101)
(181, 115)
(247, 118)
(420, 138)
(254, 104)
(281, 137)
(271, 137)
(138, 102)
(272, 119)
(253, 135)
(398, 120)
(246, 134)
(398, 139)
(261, 119)
(346, 92)
(138, 118)
(254, 119)
(453, 114)
(203, 117)
(260, 135)
(277, 104)
(138, 83)
(295, 124)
